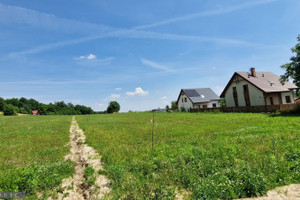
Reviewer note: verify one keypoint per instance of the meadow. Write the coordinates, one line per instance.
(32, 153)
(196, 155)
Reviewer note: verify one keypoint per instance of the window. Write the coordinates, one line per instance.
(182, 100)
(185, 99)
(287, 99)
(271, 101)
(214, 105)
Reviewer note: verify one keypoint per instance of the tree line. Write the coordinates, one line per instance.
(26, 106)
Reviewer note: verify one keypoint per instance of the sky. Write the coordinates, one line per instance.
(138, 53)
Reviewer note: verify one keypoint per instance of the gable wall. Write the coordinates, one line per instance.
(256, 95)
(181, 103)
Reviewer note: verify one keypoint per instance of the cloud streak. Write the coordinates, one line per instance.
(138, 91)
(208, 13)
(132, 34)
(87, 57)
(156, 65)
(13, 14)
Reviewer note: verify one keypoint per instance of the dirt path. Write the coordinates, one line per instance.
(288, 192)
(77, 187)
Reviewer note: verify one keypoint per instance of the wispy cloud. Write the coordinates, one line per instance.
(13, 14)
(114, 96)
(118, 89)
(138, 91)
(156, 65)
(20, 15)
(166, 69)
(132, 34)
(219, 11)
(92, 60)
(88, 57)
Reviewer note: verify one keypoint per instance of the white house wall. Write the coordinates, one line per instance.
(256, 95)
(283, 94)
(181, 103)
(275, 98)
(187, 105)
(208, 104)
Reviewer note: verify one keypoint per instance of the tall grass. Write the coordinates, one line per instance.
(32, 153)
(211, 155)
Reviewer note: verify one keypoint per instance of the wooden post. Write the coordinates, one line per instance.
(153, 131)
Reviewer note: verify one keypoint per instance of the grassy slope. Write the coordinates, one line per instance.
(32, 152)
(213, 155)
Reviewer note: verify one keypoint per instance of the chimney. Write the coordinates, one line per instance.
(253, 72)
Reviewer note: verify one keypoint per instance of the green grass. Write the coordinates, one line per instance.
(212, 155)
(32, 153)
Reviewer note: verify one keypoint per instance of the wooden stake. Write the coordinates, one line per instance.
(153, 131)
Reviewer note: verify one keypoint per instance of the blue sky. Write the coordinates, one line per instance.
(139, 53)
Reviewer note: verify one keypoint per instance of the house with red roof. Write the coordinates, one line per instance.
(35, 112)
(257, 89)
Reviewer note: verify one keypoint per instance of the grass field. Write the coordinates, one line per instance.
(32, 153)
(204, 155)
(200, 155)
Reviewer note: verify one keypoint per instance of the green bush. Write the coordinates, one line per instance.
(9, 110)
(113, 107)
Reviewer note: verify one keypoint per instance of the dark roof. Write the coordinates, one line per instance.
(266, 81)
(199, 95)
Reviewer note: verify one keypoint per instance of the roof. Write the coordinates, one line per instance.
(199, 95)
(35, 112)
(268, 82)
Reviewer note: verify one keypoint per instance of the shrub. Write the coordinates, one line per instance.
(113, 107)
(9, 110)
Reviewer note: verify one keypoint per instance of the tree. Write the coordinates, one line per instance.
(113, 107)
(2, 103)
(168, 108)
(293, 68)
(222, 103)
(9, 110)
(174, 106)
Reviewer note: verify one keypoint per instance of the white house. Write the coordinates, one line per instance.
(197, 98)
(257, 89)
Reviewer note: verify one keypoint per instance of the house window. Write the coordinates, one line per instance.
(271, 101)
(185, 99)
(182, 100)
(287, 99)
(214, 105)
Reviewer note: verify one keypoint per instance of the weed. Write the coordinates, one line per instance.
(89, 175)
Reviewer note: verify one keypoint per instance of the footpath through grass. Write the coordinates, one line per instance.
(209, 155)
(32, 153)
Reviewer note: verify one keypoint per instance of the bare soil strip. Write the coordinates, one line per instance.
(288, 192)
(77, 187)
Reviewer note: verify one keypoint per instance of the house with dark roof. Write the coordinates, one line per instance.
(197, 98)
(257, 89)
